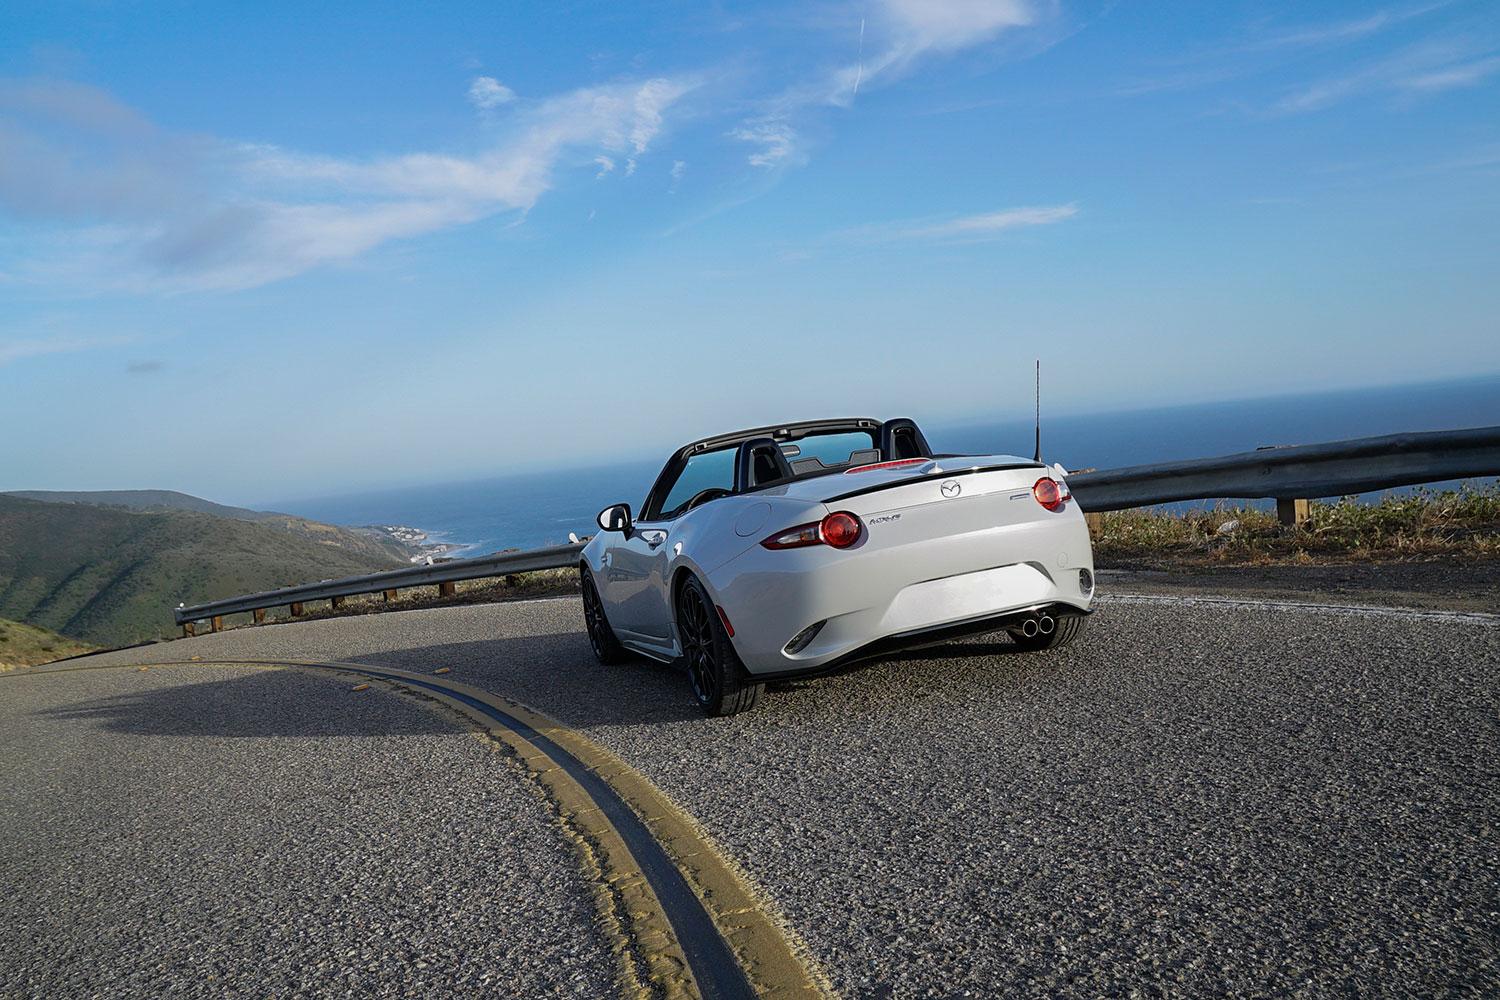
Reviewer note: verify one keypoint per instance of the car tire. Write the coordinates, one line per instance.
(719, 681)
(1069, 628)
(607, 649)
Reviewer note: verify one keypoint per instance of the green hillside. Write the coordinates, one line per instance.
(142, 500)
(111, 575)
(23, 645)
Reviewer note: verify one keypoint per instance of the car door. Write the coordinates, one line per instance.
(636, 577)
(640, 563)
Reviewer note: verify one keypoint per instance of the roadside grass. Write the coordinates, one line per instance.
(1420, 524)
(24, 645)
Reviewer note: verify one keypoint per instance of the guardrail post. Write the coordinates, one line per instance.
(188, 630)
(1293, 513)
(259, 614)
(390, 596)
(447, 588)
(1095, 521)
(335, 603)
(296, 609)
(218, 623)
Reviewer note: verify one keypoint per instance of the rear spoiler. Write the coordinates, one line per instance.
(917, 477)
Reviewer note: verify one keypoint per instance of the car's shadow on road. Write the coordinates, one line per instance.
(266, 703)
(558, 675)
(552, 673)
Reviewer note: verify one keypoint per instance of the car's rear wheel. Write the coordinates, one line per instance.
(607, 648)
(1067, 629)
(719, 680)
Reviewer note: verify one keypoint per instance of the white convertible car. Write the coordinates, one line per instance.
(798, 549)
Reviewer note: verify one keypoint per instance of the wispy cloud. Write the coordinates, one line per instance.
(965, 228)
(1269, 47)
(486, 93)
(774, 138)
(21, 348)
(1338, 32)
(899, 35)
(1425, 68)
(140, 207)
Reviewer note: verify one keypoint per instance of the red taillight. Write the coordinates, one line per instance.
(839, 529)
(898, 463)
(1050, 493)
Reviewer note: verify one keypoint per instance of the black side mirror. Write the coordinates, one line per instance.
(615, 518)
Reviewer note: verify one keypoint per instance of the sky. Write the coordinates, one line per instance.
(291, 249)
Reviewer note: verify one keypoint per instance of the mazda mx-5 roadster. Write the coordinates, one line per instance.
(792, 550)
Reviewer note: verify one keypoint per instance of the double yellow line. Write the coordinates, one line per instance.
(682, 920)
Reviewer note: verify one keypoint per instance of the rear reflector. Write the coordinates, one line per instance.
(725, 619)
(898, 463)
(800, 641)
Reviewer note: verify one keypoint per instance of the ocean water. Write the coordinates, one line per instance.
(526, 511)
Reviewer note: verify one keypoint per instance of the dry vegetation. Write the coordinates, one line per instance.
(1422, 524)
(26, 645)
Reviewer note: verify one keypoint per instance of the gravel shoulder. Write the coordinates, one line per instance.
(1444, 584)
(1194, 800)
(190, 831)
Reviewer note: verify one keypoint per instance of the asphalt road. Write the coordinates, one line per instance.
(1197, 799)
(207, 831)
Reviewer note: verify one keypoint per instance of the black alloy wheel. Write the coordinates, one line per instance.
(719, 680)
(607, 649)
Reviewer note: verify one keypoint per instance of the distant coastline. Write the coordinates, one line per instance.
(534, 509)
(422, 545)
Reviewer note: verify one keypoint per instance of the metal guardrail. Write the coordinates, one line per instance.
(444, 575)
(1290, 475)
(1299, 472)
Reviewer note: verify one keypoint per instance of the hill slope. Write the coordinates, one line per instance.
(142, 500)
(23, 645)
(110, 575)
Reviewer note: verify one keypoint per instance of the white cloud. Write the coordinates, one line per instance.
(911, 30)
(485, 92)
(32, 347)
(1427, 68)
(967, 228)
(1452, 77)
(776, 139)
(606, 166)
(902, 33)
(152, 210)
(1344, 31)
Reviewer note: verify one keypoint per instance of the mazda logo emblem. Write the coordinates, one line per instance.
(951, 488)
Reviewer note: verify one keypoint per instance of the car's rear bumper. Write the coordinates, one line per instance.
(862, 597)
(928, 637)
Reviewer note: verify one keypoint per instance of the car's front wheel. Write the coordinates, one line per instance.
(720, 682)
(607, 648)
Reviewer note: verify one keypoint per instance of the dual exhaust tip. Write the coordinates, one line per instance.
(1040, 625)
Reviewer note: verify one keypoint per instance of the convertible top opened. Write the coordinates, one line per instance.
(790, 550)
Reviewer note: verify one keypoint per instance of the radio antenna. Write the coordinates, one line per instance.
(1038, 456)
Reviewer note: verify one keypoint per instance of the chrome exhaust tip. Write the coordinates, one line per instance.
(1029, 628)
(1046, 624)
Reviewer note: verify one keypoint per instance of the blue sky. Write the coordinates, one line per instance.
(282, 249)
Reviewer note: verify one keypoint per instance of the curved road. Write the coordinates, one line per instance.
(1199, 798)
